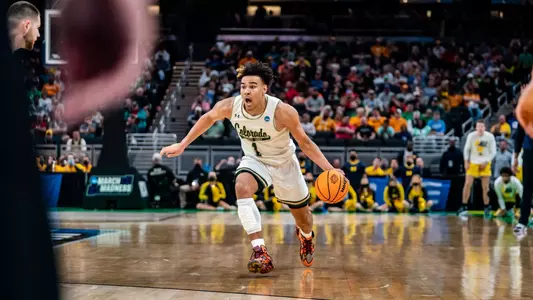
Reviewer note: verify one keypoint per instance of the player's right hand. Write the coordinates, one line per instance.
(467, 165)
(173, 150)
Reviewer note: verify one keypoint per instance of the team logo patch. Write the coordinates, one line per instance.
(334, 178)
(267, 119)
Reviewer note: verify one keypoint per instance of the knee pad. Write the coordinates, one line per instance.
(249, 215)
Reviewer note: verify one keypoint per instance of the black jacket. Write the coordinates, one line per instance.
(452, 162)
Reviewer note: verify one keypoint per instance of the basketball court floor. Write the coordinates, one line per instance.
(358, 256)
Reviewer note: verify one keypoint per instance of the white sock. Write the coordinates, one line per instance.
(258, 242)
(306, 235)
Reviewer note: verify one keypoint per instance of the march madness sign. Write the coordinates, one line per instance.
(110, 185)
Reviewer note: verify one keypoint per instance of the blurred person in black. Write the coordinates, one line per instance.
(26, 252)
(354, 169)
(409, 151)
(162, 184)
(226, 174)
(189, 191)
(452, 161)
(406, 171)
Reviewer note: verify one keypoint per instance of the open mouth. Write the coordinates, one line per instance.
(247, 100)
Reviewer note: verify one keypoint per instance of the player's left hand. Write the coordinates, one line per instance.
(482, 166)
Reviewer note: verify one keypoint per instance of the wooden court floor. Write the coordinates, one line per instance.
(358, 256)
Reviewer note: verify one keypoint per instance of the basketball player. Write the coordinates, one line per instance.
(24, 22)
(479, 151)
(509, 191)
(264, 124)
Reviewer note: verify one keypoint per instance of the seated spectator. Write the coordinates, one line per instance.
(161, 183)
(308, 127)
(385, 131)
(50, 88)
(502, 128)
(212, 195)
(376, 120)
(194, 117)
(394, 197)
(396, 121)
(417, 126)
(315, 102)
(406, 171)
(356, 120)
(366, 201)
(142, 119)
(437, 124)
(87, 129)
(417, 196)
(403, 134)
(365, 132)
(408, 113)
(344, 130)
(375, 169)
(385, 97)
(248, 58)
(372, 102)
(216, 131)
(207, 75)
(290, 91)
(271, 202)
(393, 168)
(76, 143)
(66, 165)
(324, 122)
(202, 103)
(84, 165)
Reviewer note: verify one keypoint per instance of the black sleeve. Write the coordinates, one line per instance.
(519, 139)
(442, 164)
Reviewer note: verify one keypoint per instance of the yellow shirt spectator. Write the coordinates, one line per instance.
(371, 171)
(394, 197)
(324, 125)
(397, 122)
(502, 127)
(376, 122)
(350, 203)
(215, 188)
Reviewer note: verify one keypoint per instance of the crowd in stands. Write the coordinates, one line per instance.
(371, 90)
(46, 87)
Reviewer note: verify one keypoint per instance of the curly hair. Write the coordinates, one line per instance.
(259, 69)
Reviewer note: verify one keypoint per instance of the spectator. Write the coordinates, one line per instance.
(324, 122)
(385, 131)
(375, 169)
(406, 171)
(396, 121)
(503, 158)
(417, 196)
(452, 162)
(407, 152)
(424, 171)
(344, 130)
(403, 134)
(207, 75)
(315, 102)
(50, 88)
(194, 117)
(216, 131)
(366, 197)
(376, 120)
(85, 165)
(501, 129)
(290, 91)
(365, 132)
(196, 176)
(248, 58)
(408, 113)
(308, 127)
(385, 97)
(356, 120)
(354, 169)
(372, 102)
(202, 103)
(213, 195)
(161, 183)
(76, 143)
(437, 124)
(394, 197)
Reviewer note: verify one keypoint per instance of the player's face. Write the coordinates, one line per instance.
(252, 92)
(480, 128)
(506, 178)
(31, 27)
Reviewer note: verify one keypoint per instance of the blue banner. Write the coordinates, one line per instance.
(50, 188)
(437, 190)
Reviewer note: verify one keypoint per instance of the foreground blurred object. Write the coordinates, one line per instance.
(102, 39)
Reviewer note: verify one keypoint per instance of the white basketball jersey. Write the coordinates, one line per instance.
(259, 137)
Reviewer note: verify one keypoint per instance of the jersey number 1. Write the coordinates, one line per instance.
(254, 145)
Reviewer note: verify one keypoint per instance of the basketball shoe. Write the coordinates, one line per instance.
(307, 248)
(260, 261)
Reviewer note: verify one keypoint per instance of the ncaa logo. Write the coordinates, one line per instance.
(94, 180)
(267, 119)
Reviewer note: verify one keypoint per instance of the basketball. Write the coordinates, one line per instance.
(331, 186)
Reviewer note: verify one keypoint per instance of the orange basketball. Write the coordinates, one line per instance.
(331, 186)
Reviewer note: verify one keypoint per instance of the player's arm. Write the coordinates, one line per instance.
(519, 186)
(287, 117)
(522, 110)
(220, 111)
(467, 150)
(498, 190)
(492, 149)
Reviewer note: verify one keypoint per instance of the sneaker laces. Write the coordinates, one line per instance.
(259, 253)
(308, 245)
